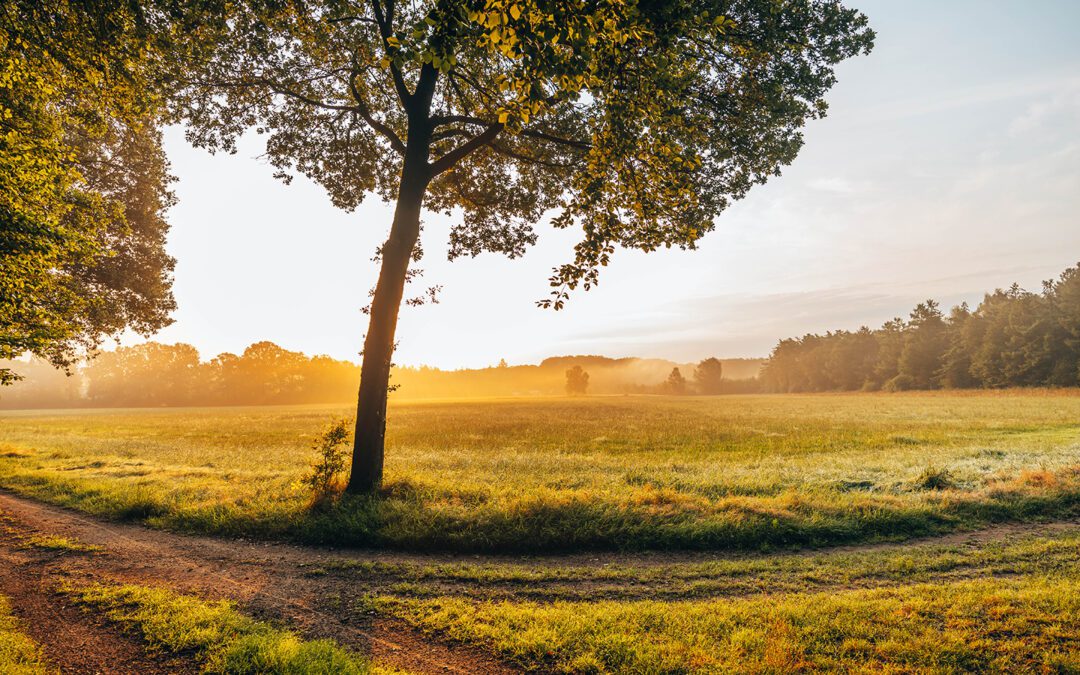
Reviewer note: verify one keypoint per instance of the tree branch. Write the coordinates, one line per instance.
(451, 158)
(365, 112)
(385, 22)
(513, 154)
(440, 120)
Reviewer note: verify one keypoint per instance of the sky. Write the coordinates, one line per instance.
(949, 165)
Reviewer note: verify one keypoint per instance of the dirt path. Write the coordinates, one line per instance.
(274, 581)
(73, 640)
(268, 580)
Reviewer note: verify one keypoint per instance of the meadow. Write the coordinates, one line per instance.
(556, 474)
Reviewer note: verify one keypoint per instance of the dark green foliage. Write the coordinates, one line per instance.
(1014, 338)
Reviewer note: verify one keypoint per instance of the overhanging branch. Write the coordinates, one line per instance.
(451, 158)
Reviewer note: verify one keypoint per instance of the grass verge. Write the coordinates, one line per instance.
(19, 655)
(1029, 624)
(546, 475)
(225, 640)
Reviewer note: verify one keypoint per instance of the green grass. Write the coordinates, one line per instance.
(1037, 552)
(1028, 624)
(56, 543)
(222, 638)
(736, 472)
(19, 655)
(972, 606)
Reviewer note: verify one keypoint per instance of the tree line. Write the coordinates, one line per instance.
(1014, 338)
(154, 374)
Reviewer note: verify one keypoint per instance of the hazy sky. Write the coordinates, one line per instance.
(949, 165)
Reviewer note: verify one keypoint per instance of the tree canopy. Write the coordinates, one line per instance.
(83, 180)
(636, 122)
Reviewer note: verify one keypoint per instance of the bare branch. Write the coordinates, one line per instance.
(451, 158)
(365, 112)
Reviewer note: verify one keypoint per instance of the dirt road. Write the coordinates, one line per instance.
(269, 581)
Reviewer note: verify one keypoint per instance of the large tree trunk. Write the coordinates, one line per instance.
(367, 466)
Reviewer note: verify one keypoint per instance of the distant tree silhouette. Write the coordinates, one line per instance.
(577, 381)
(675, 383)
(709, 376)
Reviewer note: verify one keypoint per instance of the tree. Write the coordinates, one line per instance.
(709, 376)
(83, 180)
(638, 122)
(925, 342)
(577, 381)
(962, 332)
(675, 383)
(149, 374)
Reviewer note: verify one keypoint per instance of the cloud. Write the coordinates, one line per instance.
(839, 185)
(1061, 109)
(976, 95)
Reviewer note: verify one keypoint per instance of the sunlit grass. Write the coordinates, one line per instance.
(19, 655)
(1029, 624)
(223, 639)
(548, 474)
(57, 543)
(1038, 552)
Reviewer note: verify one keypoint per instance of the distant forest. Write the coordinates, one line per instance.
(154, 374)
(1014, 338)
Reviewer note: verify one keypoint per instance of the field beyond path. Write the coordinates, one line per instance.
(555, 475)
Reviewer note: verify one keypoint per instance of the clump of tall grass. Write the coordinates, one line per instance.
(935, 478)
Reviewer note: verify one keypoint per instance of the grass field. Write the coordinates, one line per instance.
(754, 472)
(747, 478)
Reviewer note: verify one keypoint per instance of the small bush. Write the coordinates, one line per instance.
(325, 477)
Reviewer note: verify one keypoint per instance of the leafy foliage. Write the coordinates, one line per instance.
(577, 381)
(675, 383)
(83, 181)
(329, 466)
(709, 376)
(637, 122)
